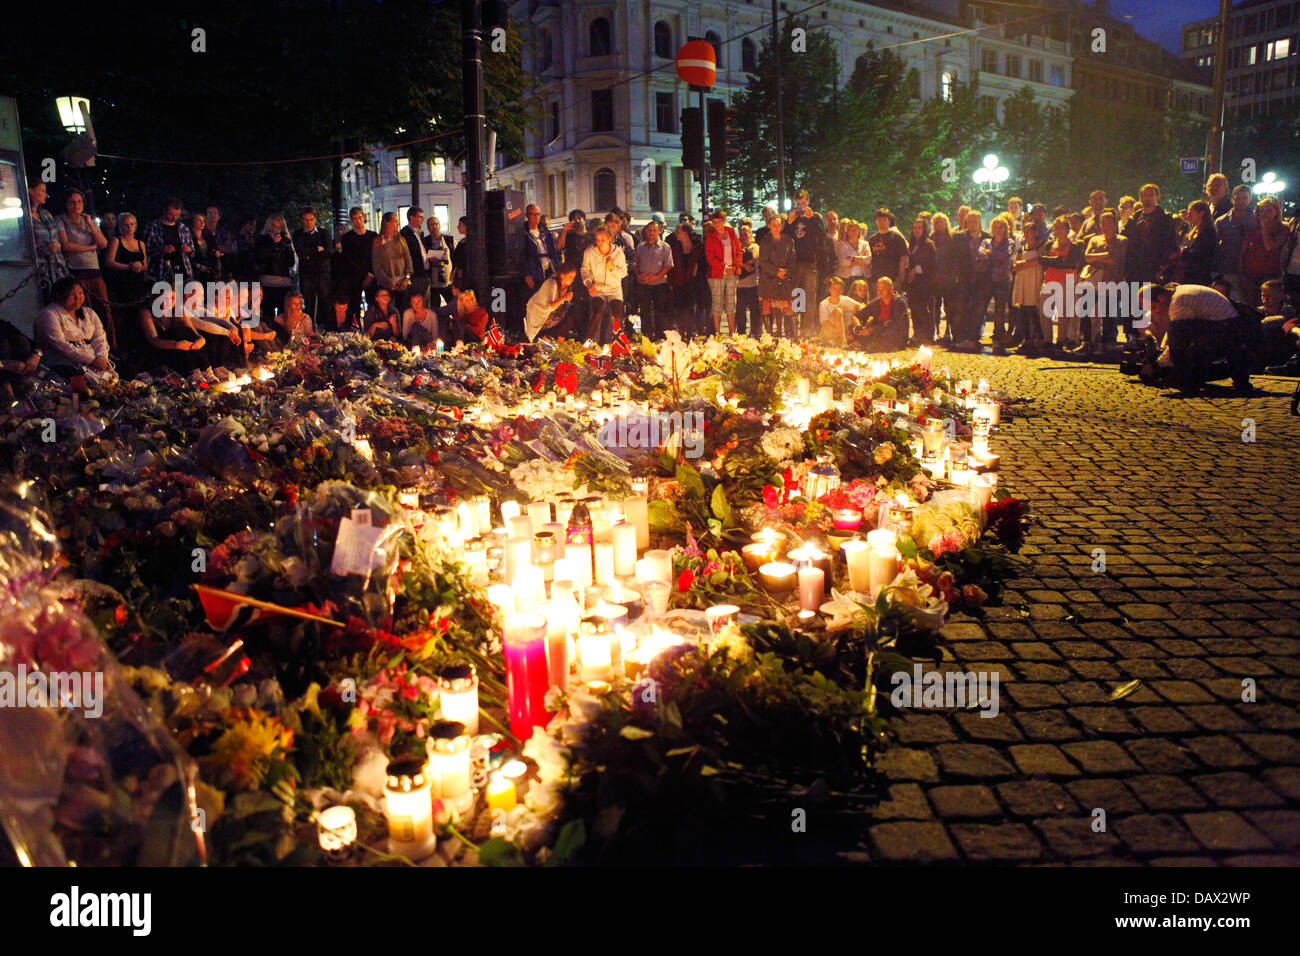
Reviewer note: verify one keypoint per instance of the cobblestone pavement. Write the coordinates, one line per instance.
(1200, 595)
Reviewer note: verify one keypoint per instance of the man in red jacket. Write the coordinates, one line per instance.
(723, 252)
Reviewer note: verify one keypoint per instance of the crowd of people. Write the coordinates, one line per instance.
(805, 274)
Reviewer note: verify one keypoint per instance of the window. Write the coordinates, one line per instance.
(604, 189)
(715, 41)
(1013, 65)
(1279, 49)
(678, 180)
(599, 38)
(945, 87)
(748, 56)
(443, 215)
(602, 110)
(543, 49)
(657, 187)
(1056, 77)
(438, 169)
(663, 40)
(403, 169)
(1250, 56)
(555, 121)
(989, 61)
(665, 113)
(1189, 39)
(1036, 70)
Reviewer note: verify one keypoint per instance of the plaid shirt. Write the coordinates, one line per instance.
(155, 238)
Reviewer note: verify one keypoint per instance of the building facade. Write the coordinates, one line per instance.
(1263, 57)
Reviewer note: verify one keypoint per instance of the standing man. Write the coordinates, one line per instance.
(415, 245)
(353, 275)
(808, 230)
(1152, 239)
(1092, 222)
(168, 244)
(1216, 194)
(440, 250)
(540, 259)
(313, 246)
(217, 234)
(651, 265)
(1231, 229)
(723, 253)
(888, 250)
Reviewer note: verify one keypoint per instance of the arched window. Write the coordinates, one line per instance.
(716, 42)
(604, 189)
(599, 37)
(748, 56)
(945, 87)
(663, 40)
(543, 49)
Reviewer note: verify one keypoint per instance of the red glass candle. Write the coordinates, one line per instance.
(847, 519)
(527, 677)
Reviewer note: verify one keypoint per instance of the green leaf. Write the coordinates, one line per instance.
(720, 505)
(573, 835)
(499, 852)
(690, 481)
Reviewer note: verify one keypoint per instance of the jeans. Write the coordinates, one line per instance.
(805, 277)
(655, 306)
(600, 328)
(924, 317)
(747, 311)
(315, 295)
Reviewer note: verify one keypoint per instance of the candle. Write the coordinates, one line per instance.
(544, 553)
(812, 588)
(604, 562)
(959, 471)
(811, 556)
(336, 828)
(656, 594)
(594, 653)
(539, 512)
(449, 769)
(883, 568)
(623, 536)
(578, 561)
(458, 695)
(638, 515)
(408, 499)
(719, 616)
(441, 347)
(858, 555)
(901, 515)
(476, 559)
(564, 510)
(510, 509)
(558, 616)
(467, 515)
(408, 809)
(501, 794)
(521, 526)
(530, 587)
(657, 565)
(518, 554)
(882, 538)
(484, 505)
(503, 597)
(984, 387)
(825, 397)
(527, 673)
(847, 519)
(932, 437)
(778, 576)
(802, 386)
(981, 491)
(566, 572)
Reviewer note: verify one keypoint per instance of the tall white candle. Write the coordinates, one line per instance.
(476, 559)
(530, 587)
(624, 540)
(858, 555)
(661, 565)
(503, 596)
(884, 566)
(540, 514)
(558, 615)
(594, 654)
(882, 538)
(519, 554)
(802, 386)
(510, 509)
(812, 588)
(467, 513)
(578, 557)
(638, 515)
(520, 526)
(604, 562)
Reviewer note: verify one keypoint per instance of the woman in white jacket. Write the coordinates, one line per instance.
(603, 269)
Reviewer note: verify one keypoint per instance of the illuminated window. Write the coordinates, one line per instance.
(438, 169)
(945, 87)
(403, 169)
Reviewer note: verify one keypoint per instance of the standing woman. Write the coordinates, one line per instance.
(1001, 258)
(351, 269)
(1105, 256)
(922, 258)
(1026, 289)
(391, 260)
(748, 316)
(246, 250)
(50, 264)
(81, 241)
(275, 264)
(688, 268)
(1061, 259)
(852, 251)
(949, 259)
(775, 281)
(206, 257)
(1197, 256)
(1261, 249)
(127, 264)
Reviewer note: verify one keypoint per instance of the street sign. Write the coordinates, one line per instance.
(988, 203)
(697, 63)
(1189, 164)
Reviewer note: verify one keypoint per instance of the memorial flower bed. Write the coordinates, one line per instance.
(591, 640)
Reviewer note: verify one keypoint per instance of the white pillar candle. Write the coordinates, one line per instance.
(594, 655)
(624, 543)
(578, 557)
(884, 567)
(981, 491)
(484, 505)
(510, 509)
(812, 588)
(530, 587)
(660, 565)
(520, 526)
(604, 562)
(540, 514)
(476, 559)
(503, 596)
(467, 514)
(558, 614)
(802, 386)
(882, 538)
(638, 515)
(519, 554)
(825, 397)
(858, 555)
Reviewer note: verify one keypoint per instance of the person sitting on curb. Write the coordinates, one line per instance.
(884, 321)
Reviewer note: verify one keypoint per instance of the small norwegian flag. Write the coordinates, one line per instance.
(228, 610)
(621, 345)
(492, 336)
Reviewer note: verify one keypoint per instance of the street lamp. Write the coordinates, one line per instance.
(74, 111)
(990, 174)
(1270, 185)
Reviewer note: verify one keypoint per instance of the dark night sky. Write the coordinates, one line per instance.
(1162, 20)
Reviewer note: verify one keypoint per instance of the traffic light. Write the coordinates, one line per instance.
(723, 145)
(693, 138)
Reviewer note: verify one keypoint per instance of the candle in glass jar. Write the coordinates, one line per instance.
(809, 555)
(563, 510)
(503, 597)
(857, 553)
(408, 809)
(467, 514)
(778, 576)
(883, 568)
(501, 793)
(624, 544)
(847, 519)
(527, 672)
(458, 695)
(449, 764)
(812, 588)
(518, 554)
(484, 505)
(477, 561)
(336, 828)
(529, 584)
(594, 654)
(657, 595)
(638, 515)
(544, 553)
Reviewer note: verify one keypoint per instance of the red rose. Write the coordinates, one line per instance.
(685, 580)
(770, 496)
(119, 615)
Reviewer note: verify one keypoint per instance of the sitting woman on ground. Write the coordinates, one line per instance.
(419, 323)
(72, 338)
(297, 324)
(382, 321)
(173, 341)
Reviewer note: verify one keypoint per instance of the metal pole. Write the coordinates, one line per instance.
(704, 170)
(1214, 144)
(472, 94)
(780, 113)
